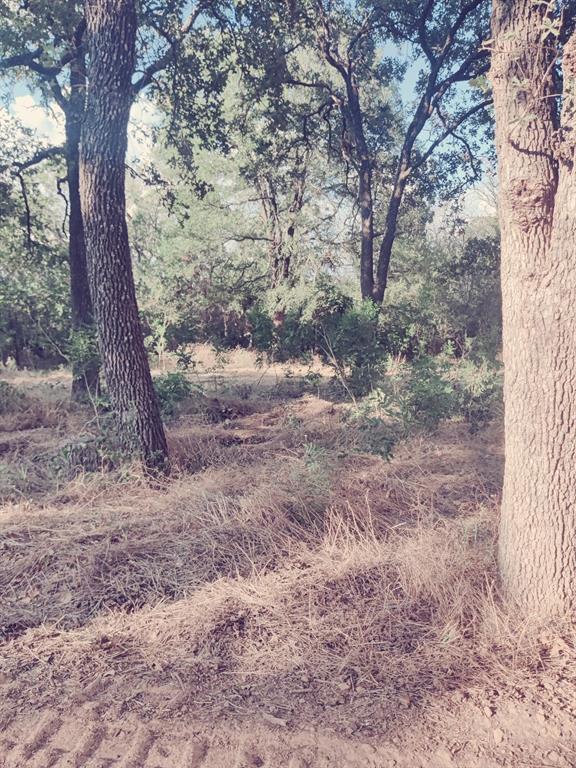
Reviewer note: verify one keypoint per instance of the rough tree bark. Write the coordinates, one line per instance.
(365, 190)
(535, 147)
(111, 29)
(85, 376)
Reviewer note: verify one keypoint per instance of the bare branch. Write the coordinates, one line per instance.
(465, 12)
(27, 212)
(422, 36)
(40, 156)
(450, 131)
(252, 238)
(61, 193)
(20, 59)
(30, 59)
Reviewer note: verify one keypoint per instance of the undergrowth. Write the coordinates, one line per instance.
(299, 554)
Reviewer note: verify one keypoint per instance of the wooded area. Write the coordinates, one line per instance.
(279, 279)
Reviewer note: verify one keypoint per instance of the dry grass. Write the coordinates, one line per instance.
(286, 569)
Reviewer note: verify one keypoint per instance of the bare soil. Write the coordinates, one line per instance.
(286, 599)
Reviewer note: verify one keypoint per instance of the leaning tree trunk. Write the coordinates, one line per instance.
(390, 228)
(85, 373)
(538, 223)
(111, 28)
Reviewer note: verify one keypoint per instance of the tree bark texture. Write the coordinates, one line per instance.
(111, 29)
(85, 376)
(537, 548)
(365, 190)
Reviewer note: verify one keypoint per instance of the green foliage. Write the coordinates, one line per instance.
(172, 390)
(444, 289)
(323, 319)
(370, 431)
(34, 307)
(11, 398)
(418, 394)
(477, 390)
(82, 349)
(351, 342)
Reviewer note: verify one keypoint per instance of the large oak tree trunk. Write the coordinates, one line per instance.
(111, 28)
(85, 374)
(538, 223)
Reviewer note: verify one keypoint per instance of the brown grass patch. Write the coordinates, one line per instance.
(288, 569)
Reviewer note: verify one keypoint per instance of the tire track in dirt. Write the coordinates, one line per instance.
(39, 740)
(86, 739)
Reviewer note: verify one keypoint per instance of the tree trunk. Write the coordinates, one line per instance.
(391, 226)
(365, 199)
(537, 549)
(111, 28)
(364, 164)
(267, 192)
(85, 374)
(15, 327)
(385, 252)
(298, 189)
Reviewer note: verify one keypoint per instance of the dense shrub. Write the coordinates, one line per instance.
(477, 388)
(11, 398)
(172, 389)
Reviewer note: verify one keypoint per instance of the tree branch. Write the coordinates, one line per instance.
(468, 9)
(30, 59)
(61, 193)
(40, 156)
(422, 36)
(162, 61)
(450, 132)
(20, 59)
(27, 212)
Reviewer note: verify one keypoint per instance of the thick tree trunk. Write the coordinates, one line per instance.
(85, 374)
(111, 29)
(538, 223)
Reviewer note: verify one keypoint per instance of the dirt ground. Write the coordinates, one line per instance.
(288, 599)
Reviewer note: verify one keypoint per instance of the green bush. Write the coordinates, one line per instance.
(351, 343)
(11, 399)
(172, 389)
(477, 390)
(82, 350)
(368, 431)
(417, 395)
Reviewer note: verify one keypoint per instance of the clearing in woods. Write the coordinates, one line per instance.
(289, 598)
